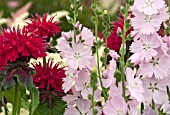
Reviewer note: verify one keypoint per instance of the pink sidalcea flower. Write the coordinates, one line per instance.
(166, 107)
(83, 84)
(115, 106)
(155, 90)
(149, 24)
(149, 7)
(135, 85)
(149, 111)
(71, 98)
(158, 66)
(70, 80)
(108, 74)
(83, 107)
(144, 48)
(86, 36)
(78, 56)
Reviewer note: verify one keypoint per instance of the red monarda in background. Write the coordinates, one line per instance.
(114, 41)
(49, 77)
(42, 27)
(18, 43)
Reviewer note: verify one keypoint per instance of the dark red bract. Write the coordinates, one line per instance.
(41, 27)
(18, 43)
(49, 77)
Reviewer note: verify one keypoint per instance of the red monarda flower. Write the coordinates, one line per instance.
(115, 41)
(42, 27)
(17, 44)
(49, 77)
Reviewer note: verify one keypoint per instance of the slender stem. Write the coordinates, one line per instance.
(123, 52)
(44, 61)
(93, 113)
(169, 5)
(16, 104)
(105, 64)
(75, 18)
(97, 53)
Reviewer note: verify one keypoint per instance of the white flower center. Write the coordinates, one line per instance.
(155, 61)
(119, 112)
(146, 47)
(149, 3)
(153, 87)
(148, 19)
(77, 55)
(133, 84)
(86, 85)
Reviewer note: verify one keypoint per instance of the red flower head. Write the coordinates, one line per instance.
(43, 28)
(115, 41)
(19, 44)
(49, 77)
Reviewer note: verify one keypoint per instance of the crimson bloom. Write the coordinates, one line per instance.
(42, 27)
(114, 41)
(48, 77)
(19, 44)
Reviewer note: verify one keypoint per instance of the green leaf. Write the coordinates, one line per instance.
(25, 104)
(55, 106)
(34, 100)
(9, 95)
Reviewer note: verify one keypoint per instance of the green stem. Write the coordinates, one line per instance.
(97, 53)
(122, 64)
(105, 64)
(93, 112)
(16, 104)
(44, 61)
(169, 5)
(74, 26)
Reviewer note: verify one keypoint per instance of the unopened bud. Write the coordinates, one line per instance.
(81, 9)
(68, 18)
(119, 30)
(77, 25)
(105, 12)
(65, 35)
(71, 7)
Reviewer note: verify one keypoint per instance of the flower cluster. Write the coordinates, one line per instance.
(17, 44)
(129, 77)
(49, 76)
(43, 28)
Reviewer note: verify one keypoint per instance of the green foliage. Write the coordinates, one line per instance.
(53, 106)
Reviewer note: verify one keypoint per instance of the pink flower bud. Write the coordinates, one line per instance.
(65, 35)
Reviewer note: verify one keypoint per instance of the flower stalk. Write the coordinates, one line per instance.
(97, 46)
(16, 104)
(123, 50)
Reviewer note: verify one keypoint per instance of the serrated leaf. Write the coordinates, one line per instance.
(56, 107)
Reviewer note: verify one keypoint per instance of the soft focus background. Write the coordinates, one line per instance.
(13, 12)
(7, 7)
